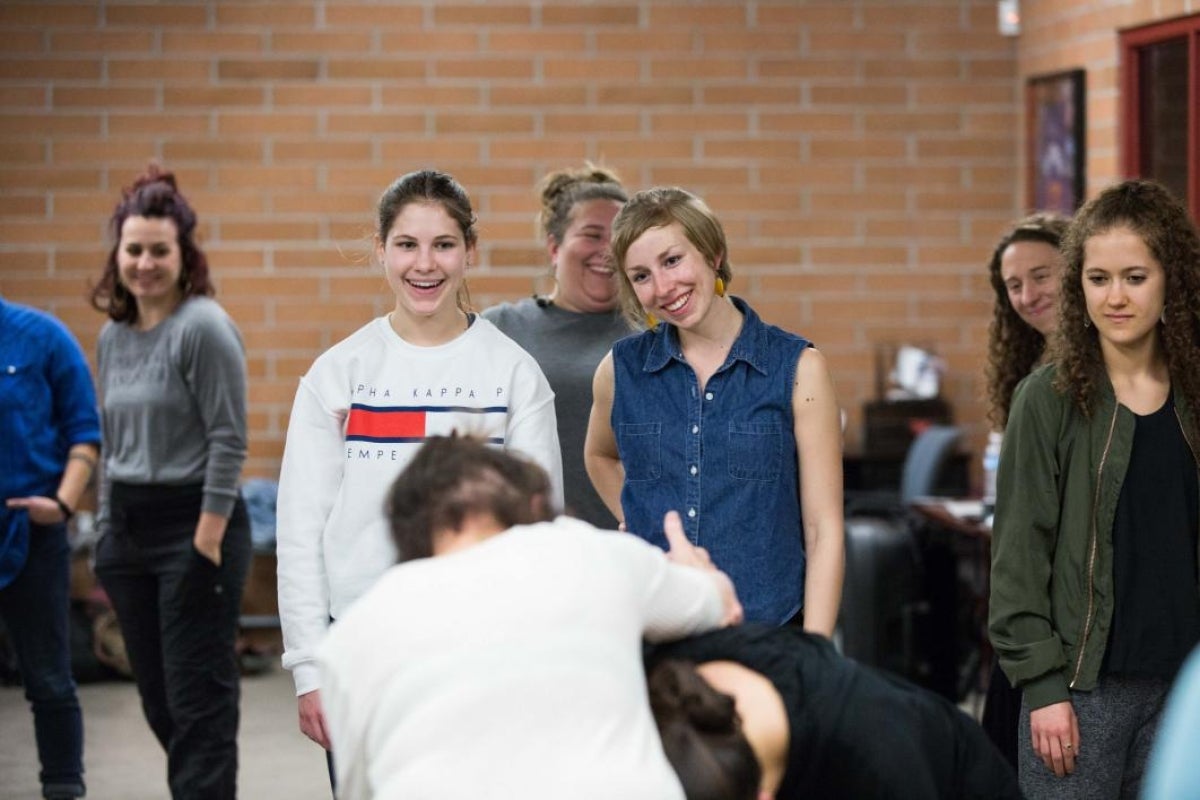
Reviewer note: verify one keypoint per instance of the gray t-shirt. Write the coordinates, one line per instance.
(568, 346)
(174, 403)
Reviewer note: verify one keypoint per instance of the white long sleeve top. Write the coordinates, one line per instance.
(360, 414)
(510, 669)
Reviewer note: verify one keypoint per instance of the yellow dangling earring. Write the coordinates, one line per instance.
(720, 286)
(651, 321)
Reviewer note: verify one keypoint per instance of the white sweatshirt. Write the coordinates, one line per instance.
(515, 673)
(361, 413)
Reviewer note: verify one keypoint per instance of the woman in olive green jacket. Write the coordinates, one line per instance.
(1095, 599)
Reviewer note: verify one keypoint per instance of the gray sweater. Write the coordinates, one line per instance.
(568, 346)
(174, 403)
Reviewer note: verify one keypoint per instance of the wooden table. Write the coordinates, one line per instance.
(963, 516)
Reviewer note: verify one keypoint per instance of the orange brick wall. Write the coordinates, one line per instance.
(1069, 34)
(863, 154)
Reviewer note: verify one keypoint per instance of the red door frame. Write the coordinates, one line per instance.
(1132, 41)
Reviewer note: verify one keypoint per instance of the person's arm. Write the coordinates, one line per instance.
(347, 717)
(600, 455)
(215, 371)
(681, 551)
(818, 432)
(309, 481)
(1024, 538)
(76, 419)
(680, 595)
(532, 427)
(81, 465)
(81, 460)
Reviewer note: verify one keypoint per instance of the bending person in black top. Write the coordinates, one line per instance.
(818, 724)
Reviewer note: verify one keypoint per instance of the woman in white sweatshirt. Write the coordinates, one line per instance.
(367, 404)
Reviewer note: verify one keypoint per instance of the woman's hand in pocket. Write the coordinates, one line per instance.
(210, 532)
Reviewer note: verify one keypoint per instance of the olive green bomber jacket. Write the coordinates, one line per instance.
(1059, 480)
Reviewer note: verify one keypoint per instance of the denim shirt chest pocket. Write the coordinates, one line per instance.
(755, 450)
(641, 450)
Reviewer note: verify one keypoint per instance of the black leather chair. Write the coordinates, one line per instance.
(886, 592)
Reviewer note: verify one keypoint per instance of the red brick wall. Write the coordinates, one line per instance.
(862, 153)
(1069, 34)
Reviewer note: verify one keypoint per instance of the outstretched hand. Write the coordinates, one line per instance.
(681, 551)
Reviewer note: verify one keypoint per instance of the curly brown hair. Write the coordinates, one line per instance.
(1154, 214)
(1014, 347)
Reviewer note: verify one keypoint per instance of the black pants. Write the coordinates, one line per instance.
(1001, 713)
(34, 608)
(179, 616)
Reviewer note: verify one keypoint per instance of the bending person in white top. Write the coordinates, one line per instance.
(427, 368)
(508, 664)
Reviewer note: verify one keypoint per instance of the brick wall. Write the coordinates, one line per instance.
(1058, 35)
(862, 153)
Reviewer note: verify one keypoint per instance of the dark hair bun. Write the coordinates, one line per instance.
(676, 690)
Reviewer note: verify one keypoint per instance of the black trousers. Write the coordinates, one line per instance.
(179, 616)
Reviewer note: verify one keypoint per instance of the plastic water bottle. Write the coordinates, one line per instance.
(991, 462)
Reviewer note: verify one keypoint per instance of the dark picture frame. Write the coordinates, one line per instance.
(1056, 125)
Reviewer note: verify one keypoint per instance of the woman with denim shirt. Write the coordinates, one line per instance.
(1095, 600)
(720, 416)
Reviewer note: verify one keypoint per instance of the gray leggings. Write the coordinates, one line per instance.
(1117, 723)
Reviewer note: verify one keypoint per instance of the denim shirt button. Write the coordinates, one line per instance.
(694, 469)
(708, 395)
(695, 429)
(691, 513)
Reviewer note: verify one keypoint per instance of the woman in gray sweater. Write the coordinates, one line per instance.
(175, 543)
(572, 328)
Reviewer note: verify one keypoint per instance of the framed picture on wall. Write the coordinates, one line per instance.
(1056, 126)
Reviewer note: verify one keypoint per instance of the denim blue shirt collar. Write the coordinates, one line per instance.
(749, 346)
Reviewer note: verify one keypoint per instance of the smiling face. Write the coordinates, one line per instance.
(670, 277)
(424, 257)
(149, 263)
(1124, 287)
(582, 268)
(1030, 271)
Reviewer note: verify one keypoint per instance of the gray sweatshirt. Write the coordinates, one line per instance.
(568, 346)
(174, 403)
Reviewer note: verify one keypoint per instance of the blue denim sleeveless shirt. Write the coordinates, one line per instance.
(725, 459)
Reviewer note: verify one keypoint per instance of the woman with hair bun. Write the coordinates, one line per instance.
(810, 723)
(570, 330)
(175, 543)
